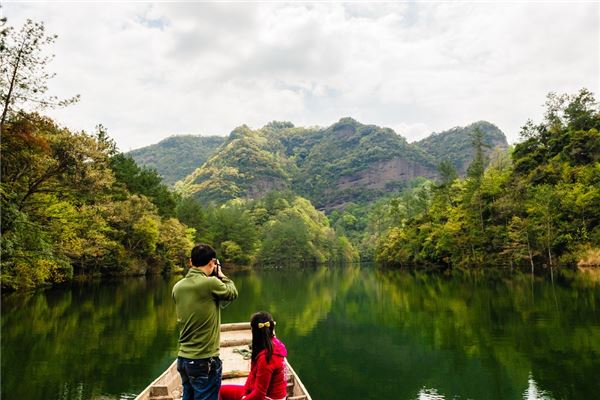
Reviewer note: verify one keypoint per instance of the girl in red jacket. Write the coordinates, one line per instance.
(267, 370)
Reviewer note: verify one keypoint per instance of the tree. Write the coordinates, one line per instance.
(447, 172)
(475, 174)
(543, 208)
(191, 213)
(141, 180)
(52, 183)
(231, 223)
(286, 241)
(518, 244)
(477, 166)
(39, 157)
(23, 75)
(174, 243)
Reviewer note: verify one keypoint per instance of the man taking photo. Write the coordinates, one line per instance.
(199, 298)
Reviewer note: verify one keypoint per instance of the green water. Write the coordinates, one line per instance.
(352, 333)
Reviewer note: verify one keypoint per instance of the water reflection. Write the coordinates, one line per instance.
(86, 341)
(352, 332)
(533, 392)
(429, 394)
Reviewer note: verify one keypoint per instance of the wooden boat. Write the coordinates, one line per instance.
(235, 339)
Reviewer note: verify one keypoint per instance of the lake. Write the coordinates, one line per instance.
(353, 332)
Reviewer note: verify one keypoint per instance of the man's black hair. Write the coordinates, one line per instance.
(202, 254)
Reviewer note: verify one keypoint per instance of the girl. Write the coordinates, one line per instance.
(267, 377)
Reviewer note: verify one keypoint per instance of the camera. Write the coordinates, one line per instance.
(217, 268)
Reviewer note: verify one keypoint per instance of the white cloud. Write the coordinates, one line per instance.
(149, 70)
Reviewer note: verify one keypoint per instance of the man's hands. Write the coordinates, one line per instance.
(217, 269)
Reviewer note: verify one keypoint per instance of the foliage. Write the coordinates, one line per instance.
(456, 145)
(365, 224)
(245, 166)
(296, 233)
(176, 157)
(333, 167)
(281, 228)
(145, 181)
(64, 212)
(23, 75)
(540, 206)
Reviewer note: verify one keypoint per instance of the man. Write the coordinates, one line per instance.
(198, 300)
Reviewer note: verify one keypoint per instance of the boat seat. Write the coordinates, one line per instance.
(160, 392)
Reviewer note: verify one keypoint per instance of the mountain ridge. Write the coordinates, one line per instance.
(347, 162)
(177, 155)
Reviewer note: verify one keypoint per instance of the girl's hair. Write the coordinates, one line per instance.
(262, 338)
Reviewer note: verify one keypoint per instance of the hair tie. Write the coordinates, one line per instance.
(267, 324)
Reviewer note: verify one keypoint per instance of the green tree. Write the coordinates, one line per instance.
(286, 242)
(233, 253)
(231, 223)
(543, 209)
(146, 181)
(190, 212)
(49, 175)
(174, 243)
(63, 215)
(542, 205)
(23, 74)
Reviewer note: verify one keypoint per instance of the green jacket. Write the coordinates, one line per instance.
(198, 300)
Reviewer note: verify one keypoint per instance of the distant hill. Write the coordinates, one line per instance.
(177, 156)
(345, 162)
(455, 146)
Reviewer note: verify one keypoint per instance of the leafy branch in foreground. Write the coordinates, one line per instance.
(23, 75)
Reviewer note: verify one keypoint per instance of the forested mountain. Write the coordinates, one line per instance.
(455, 145)
(348, 162)
(540, 205)
(177, 156)
(73, 206)
(249, 164)
(352, 162)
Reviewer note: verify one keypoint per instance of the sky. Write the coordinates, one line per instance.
(149, 70)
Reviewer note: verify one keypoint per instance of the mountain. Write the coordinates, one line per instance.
(177, 156)
(352, 162)
(249, 164)
(345, 162)
(455, 146)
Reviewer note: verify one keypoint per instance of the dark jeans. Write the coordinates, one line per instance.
(201, 378)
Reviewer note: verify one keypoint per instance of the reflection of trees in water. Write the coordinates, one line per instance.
(491, 328)
(297, 298)
(493, 319)
(371, 332)
(322, 293)
(76, 342)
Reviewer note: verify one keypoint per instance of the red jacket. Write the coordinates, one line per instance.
(267, 379)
